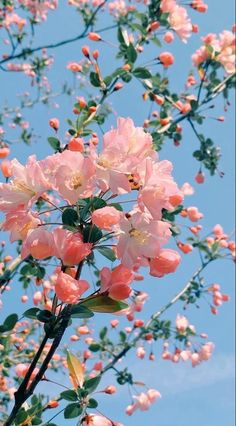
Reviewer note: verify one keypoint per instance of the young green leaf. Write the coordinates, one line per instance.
(141, 73)
(78, 311)
(107, 252)
(69, 395)
(72, 410)
(55, 143)
(105, 304)
(91, 384)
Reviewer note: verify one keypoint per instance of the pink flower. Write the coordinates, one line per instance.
(94, 420)
(106, 217)
(181, 323)
(166, 58)
(141, 352)
(165, 263)
(187, 189)
(27, 185)
(153, 394)
(116, 282)
(123, 149)
(74, 67)
(69, 247)
(206, 351)
(110, 389)
(39, 243)
(193, 214)
(195, 358)
(19, 222)
(140, 238)
(54, 123)
(158, 188)
(74, 176)
(180, 22)
(168, 37)
(37, 297)
(167, 6)
(143, 401)
(69, 290)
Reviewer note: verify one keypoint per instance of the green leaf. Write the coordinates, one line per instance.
(94, 347)
(31, 313)
(21, 416)
(105, 304)
(92, 403)
(72, 410)
(9, 323)
(55, 143)
(92, 234)
(91, 384)
(94, 79)
(141, 73)
(70, 217)
(36, 421)
(79, 311)
(107, 252)
(97, 203)
(131, 53)
(44, 315)
(103, 333)
(127, 77)
(69, 395)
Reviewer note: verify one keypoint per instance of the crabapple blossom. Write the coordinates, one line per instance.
(116, 282)
(68, 289)
(165, 263)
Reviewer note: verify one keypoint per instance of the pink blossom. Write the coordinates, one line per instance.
(94, 420)
(140, 238)
(206, 351)
(181, 323)
(168, 37)
(123, 149)
(69, 247)
(74, 67)
(141, 352)
(165, 263)
(26, 186)
(69, 290)
(180, 22)
(74, 176)
(193, 214)
(116, 282)
(166, 59)
(187, 189)
(106, 217)
(167, 6)
(143, 401)
(39, 243)
(37, 297)
(19, 222)
(158, 187)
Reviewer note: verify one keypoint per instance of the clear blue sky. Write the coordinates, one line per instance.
(204, 395)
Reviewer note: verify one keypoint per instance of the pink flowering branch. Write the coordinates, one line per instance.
(154, 317)
(29, 51)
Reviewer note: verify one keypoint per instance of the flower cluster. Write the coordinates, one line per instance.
(83, 177)
(219, 49)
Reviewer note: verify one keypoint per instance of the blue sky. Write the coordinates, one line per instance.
(204, 395)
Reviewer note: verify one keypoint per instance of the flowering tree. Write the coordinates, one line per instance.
(90, 220)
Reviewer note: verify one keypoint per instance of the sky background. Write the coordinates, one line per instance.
(203, 395)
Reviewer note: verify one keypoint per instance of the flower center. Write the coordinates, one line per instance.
(139, 236)
(22, 187)
(76, 180)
